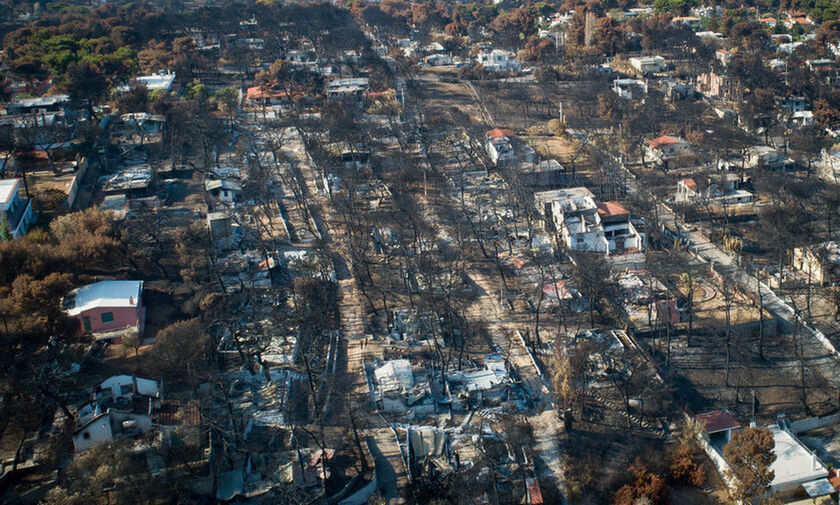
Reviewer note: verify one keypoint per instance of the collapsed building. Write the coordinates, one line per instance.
(396, 388)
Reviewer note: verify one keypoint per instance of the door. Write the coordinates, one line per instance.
(86, 322)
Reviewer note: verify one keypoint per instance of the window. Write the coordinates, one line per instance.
(86, 435)
(107, 317)
(125, 389)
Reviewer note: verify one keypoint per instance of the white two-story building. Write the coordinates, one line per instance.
(15, 212)
(498, 60)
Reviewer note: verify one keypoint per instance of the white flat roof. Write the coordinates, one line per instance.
(7, 189)
(105, 294)
(157, 81)
(41, 101)
(794, 462)
(394, 374)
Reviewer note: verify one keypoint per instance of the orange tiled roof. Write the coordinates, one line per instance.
(661, 141)
(271, 90)
(612, 208)
(689, 183)
(497, 133)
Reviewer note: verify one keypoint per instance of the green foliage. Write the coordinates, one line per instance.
(674, 6)
(5, 232)
(196, 90)
(44, 50)
(157, 94)
(227, 99)
(65, 8)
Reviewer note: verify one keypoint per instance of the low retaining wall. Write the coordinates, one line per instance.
(813, 423)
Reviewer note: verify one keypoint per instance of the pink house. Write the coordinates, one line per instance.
(106, 306)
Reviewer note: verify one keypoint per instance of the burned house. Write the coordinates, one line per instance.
(391, 385)
(487, 386)
(721, 189)
(223, 192)
(220, 226)
(820, 262)
(543, 174)
(135, 182)
(122, 405)
(500, 145)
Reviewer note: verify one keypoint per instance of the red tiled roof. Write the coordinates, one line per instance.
(271, 90)
(260, 92)
(718, 420)
(612, 208)
(534, 492)
(689, 183)
(497, 133)
(801, 21)
(661, 141)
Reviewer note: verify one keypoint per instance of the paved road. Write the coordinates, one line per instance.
(390, 470)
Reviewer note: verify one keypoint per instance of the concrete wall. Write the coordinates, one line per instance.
(813, 423)
(98, 431)
(146, 387)
(73, 191)
(717, 459)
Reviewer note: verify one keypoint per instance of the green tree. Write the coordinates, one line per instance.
(85, 83)
(196, 90)
(5, 232)
(227, 100)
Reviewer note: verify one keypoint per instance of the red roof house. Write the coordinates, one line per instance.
(272, 93)
(661, 141)
(497, 133)
(689, 183)
(718, 421)
(611, 209)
